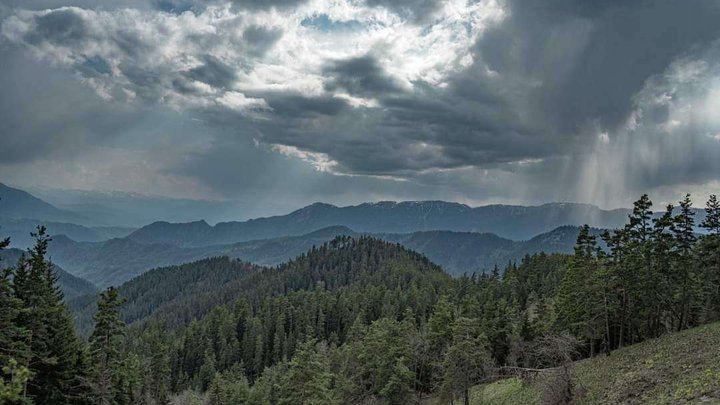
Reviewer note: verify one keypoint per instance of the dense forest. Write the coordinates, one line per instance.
(355, 320)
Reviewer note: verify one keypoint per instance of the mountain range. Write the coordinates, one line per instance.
(460, 238)
(117, 260)
(19, 231)
(507, 221)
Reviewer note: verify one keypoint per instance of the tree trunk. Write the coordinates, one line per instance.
(622, 320)
(607, 326)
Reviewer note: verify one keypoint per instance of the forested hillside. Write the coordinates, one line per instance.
(163, 288)
(364, 321)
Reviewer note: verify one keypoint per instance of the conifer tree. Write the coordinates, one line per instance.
(57, 359)
(155, 370)
(580, 297)
(229, 388)
(400, 387)
(711, 223)
(662, 289)
(709, 258)
(106, 350)
(12, 384)
(685, 271)
(13, 338)
(13, 341)
(467, 360)
(308, 379)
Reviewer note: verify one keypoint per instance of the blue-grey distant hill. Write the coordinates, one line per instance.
(19, 231)
(118, 260)
(70, 285)
(16, 203)
(507, 221)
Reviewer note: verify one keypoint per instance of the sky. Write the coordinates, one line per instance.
(288, 102)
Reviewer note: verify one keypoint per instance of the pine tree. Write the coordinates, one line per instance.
(580, 298)
(57, 359)
(13, 341)
(661, 291)
(439, 333)
(637, 271)
(12, 384)
(308, 379)
(709, 258)
(229, 388)
(155, 370)
(711, 223)
(106, 349)
(686, 275)
(467, 360)
(13, 338)
(207, 370)
(400, 387)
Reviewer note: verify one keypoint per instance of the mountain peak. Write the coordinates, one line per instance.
(318, 205)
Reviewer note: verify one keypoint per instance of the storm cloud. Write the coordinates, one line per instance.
(593, 101)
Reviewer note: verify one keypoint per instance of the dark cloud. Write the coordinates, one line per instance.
(361, 76)
(586, 59)
(213, 72)
(292, 106)
(261, 39)
(61, 27)
(563, 71)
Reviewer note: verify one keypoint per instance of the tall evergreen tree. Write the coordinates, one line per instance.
(580, 300)
(709, 258)
(13, 341)
(13, 338)
(106, 350)
(688, 283)
(467, 360)
(662, 289)
(57, 359)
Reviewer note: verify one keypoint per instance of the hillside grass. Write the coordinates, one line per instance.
(680, 368)
(511, 391)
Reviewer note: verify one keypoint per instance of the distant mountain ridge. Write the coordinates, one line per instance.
(118, 260)
(508, 221)
(19, 231)
(18, 209)
(16, 203)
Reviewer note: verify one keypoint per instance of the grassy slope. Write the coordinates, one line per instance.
(682, 368)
